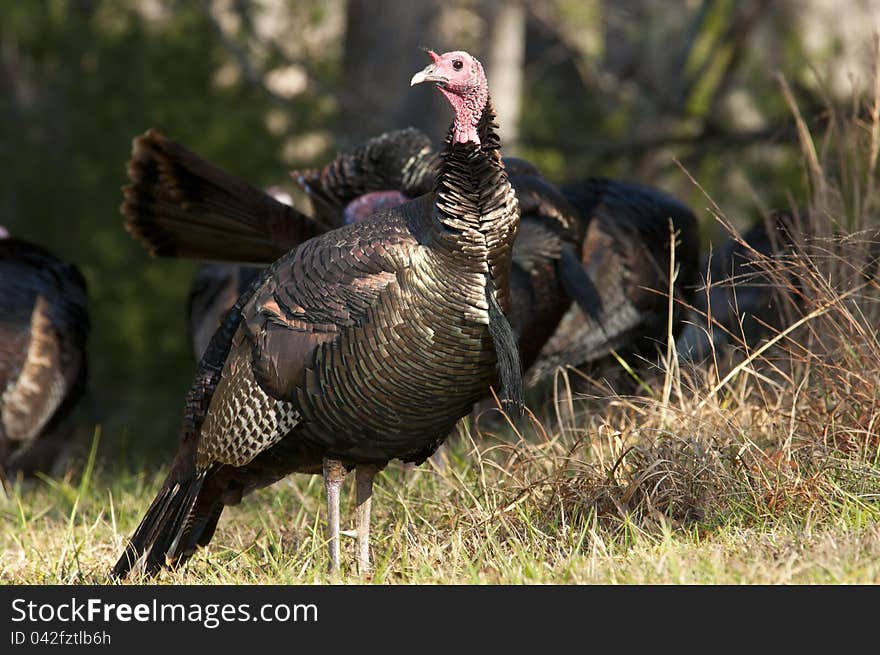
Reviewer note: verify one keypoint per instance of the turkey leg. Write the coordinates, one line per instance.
(364, 478)
(334, 474)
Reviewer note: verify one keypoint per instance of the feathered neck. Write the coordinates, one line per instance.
(476, 215)
(472, 188)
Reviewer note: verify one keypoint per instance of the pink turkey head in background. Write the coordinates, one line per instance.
(371, 203)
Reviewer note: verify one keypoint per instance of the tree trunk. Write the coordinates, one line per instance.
(504, 62)
(382, 52)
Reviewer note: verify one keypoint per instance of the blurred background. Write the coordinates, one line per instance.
(635, 89)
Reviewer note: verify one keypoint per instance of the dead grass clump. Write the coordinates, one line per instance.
(787, 426)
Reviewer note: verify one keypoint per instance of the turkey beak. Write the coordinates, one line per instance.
(429, 74)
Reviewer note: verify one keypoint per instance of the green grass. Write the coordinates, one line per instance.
(620, 502)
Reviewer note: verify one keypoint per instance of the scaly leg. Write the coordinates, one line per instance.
(364, 478)
(334, 474)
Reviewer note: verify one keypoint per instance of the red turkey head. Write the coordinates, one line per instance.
(460, 78)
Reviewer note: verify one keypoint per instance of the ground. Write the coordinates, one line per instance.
(623, 495)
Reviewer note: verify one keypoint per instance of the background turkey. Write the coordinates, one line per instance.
(44, 323)
(626, 253)
(180, 205)
(214, 290)
(745, 301)
(362, 345)
(394, 166)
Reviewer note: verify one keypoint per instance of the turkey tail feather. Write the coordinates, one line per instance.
(169, 521)
(179, 205)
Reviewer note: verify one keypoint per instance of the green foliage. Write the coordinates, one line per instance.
(646, 88)
(84, 78)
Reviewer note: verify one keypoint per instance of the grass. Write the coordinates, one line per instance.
(621, 503)
(762, 466)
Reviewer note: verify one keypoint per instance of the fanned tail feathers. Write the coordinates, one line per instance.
(179, 205)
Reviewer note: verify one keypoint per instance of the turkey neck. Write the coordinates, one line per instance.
(477, 213)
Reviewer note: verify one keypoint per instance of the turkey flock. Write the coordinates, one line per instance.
(360, 329)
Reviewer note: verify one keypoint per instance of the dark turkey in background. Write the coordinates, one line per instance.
(214, 290)
(44, 323)
(743, 299)
(626, 254)
(758, 284)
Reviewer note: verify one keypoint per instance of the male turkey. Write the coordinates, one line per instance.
(360, 346)
(547, 274)
(626, 253)
(180, 205)
(391, 168)
(44, 323)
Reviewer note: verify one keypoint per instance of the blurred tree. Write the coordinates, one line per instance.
(506, 45)
(382, 41)
(640, 87)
